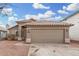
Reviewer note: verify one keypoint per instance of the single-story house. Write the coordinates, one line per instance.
(43, 31)
(74, 30)
(13, 30)
(3, 32)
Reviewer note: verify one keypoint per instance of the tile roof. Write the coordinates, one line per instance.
(12, 27)
(43, 22)
(50, 23)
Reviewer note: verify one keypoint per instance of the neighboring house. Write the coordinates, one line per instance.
(3, 32)
(74, 30)
(13, 30)
(43, 31)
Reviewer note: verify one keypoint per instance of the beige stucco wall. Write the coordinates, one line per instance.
(12, 30)
(74, 30)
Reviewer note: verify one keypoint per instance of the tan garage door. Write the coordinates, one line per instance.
(47, 36)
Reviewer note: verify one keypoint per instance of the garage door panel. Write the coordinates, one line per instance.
(54, 36)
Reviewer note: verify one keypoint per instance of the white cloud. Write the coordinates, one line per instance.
(47, 14)
(1, 25)
(15, 15)
(12, 21)
(12, 18)
(40, 6)
(64, 7)
(29, 16)
(50, 13)
(62, 12)
(58, 17)
(7, 11)
(73, 7)
(70, 7)
(41, 15)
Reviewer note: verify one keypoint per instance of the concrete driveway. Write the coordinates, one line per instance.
(18, 48)
(56, 49)
(13, 48)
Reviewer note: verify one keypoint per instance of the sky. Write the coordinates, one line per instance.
(39, 11)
